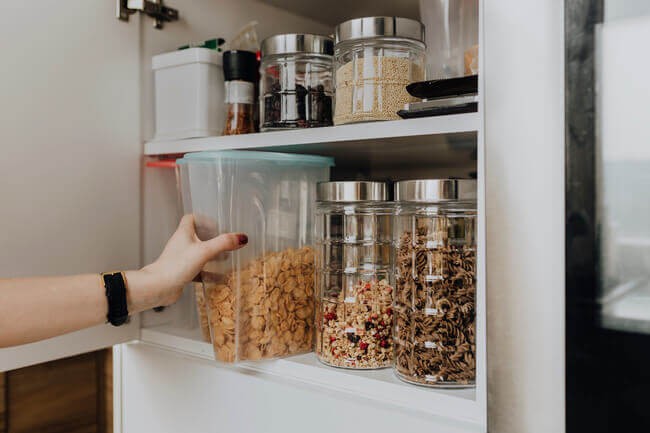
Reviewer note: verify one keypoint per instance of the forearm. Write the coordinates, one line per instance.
(33, 309)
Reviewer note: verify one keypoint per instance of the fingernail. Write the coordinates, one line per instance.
(243, 239)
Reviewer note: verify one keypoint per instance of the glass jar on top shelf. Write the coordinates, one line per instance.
(353, 275)
(435, 282)
(375, 59)
(296, 81)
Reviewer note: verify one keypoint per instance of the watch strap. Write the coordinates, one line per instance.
(115, 285)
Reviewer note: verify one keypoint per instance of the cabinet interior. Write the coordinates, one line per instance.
(435, 152)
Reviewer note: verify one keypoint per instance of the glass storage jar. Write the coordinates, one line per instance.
(435, 282)
(375, 59)
(259, 299)
(353, 275)
(296, 81)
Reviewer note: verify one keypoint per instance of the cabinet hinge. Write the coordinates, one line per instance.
(153, 8)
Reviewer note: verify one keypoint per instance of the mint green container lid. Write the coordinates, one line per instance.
(255, 156)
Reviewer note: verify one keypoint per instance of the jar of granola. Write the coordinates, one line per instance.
(435, 282)
(353, 238)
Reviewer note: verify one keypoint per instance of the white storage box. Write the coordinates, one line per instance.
(189, 94)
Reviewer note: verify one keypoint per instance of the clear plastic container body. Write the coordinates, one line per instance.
(354, 284)
(196, 289)
(435, 293)
(260, 299)
(371, 77)
(296, 91)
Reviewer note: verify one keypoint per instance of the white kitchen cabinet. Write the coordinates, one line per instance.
(165, 379)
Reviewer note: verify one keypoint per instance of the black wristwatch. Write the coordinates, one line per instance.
(115, 285)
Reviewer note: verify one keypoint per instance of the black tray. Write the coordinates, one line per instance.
(442, 88)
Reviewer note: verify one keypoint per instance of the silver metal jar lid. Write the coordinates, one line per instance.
(370, 27)
(297, 43)
(351, 191)
(436, 190)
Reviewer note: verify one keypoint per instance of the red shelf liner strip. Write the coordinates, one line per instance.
(164, 163)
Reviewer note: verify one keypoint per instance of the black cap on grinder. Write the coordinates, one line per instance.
(240, 65)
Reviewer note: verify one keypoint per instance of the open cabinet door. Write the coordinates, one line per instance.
(70, 164)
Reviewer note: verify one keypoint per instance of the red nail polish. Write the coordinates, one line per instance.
(243, 239)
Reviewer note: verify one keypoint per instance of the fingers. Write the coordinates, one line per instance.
(187, 221)
(223, 243)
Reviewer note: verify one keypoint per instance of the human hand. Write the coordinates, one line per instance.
(161, 283)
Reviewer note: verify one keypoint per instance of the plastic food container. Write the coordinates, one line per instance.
(354, 314)
(296, 81)
(183, 187)
(260, 299)
(189, 93)
(375, 59)
(435, 282)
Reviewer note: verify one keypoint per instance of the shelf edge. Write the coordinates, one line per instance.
(451, 124)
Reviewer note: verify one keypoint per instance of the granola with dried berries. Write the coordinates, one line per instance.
(435, 341)
(271, 315)
(356, 331)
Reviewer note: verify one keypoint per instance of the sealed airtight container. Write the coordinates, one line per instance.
(260, 299)
(189, 93)
(435, 282)
(354, 289)
(375, 59)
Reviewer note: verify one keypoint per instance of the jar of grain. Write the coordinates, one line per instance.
(354, 316)
(435, 282)
(296, 81)
(375, 59)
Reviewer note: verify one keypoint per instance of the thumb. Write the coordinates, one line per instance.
(223, 243)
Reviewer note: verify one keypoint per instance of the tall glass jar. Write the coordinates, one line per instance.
(435, 282)
(296, 81)
(354, 289)
(375, 59)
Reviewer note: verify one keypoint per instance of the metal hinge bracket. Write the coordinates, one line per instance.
(153, 8)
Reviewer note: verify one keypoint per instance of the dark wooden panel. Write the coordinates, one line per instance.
(108, 391)
(105, 395)
(3, 410)
(57, 397)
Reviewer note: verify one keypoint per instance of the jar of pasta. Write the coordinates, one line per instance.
(354, 290)
(435, 282)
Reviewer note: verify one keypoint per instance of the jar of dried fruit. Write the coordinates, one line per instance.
(296, 81)
(354, 315)
(375, 59)
(435, 282)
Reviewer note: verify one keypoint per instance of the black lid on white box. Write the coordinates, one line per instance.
(240, 65)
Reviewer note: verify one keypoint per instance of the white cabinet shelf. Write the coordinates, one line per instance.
(456, 406)
(414, 130)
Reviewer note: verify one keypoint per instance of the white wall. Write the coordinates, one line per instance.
(69, 134)
(524, 142)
